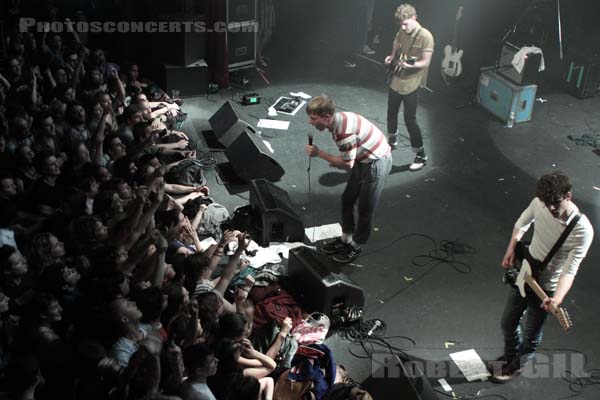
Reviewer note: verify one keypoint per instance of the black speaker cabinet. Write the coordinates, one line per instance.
(583, 77)
(228, 123)
(318, 285)
(397, 379)
(530, 73)
(251, 159)
(241, 44)
(241, 10)
(190, 81)
(276, 218)
(183, 47)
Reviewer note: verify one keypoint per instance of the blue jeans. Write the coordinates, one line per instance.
(365, 186)
(520, 343)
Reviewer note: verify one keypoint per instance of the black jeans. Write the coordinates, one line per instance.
(410, 116)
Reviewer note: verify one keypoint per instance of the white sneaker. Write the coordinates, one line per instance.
(393, 140)
(418, 163)
(367, 50)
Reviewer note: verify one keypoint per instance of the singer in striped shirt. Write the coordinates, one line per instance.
(365, 152)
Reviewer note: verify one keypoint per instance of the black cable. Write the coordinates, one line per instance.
(470, 396)
(445, 254)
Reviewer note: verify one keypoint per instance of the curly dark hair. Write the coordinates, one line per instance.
(553, 187)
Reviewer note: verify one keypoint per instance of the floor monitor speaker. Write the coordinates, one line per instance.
(318, 285)
(276, 218)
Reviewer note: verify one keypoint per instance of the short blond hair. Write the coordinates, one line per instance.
(321, 105)
(404, 12)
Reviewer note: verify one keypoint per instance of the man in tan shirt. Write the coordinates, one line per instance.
(411, 54)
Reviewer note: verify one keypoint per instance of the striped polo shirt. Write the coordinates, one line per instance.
(358, 139)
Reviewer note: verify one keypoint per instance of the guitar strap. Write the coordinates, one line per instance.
(560, 240)
(413, 41)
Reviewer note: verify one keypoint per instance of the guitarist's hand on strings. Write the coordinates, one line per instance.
(388, 60)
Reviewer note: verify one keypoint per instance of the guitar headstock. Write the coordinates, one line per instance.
(564, 319)
(459, 13)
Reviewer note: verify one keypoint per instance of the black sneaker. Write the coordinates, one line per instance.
(349, 253)
(332, 247)
(418, 163)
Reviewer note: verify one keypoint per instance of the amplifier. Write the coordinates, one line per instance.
(583, 77)
(529, 74)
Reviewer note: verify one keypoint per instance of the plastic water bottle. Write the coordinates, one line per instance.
(511, 120)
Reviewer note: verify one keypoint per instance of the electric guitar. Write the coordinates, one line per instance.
(395, 67)
(451, 64)
(524, 272)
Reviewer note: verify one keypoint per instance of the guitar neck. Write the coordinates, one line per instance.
(539, 292)
(536, 287)
(560, 313)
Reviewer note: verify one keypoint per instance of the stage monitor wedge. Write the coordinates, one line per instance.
(251, 158)
(318, 285)
(276, 218)
(228, 123)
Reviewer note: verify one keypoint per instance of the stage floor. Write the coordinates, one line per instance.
(479, 178)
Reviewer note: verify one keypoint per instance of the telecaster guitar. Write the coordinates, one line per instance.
(523, 273)
(451, 64)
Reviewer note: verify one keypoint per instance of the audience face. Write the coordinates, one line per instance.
(135, 118)
(20, 128)
(124, 191)
(117, 148)
(8, 188)
(82, 153)
(78, 114)
(121, 255)
(105, 102)
(97, 111)
(69, 95)
(100, 231)
(47, 127)
(126, 310)
(54, 312)
(134, 72)
(25, 155)
(70, 276)
(210, 367)
(96, 77)
(56, 42)
(17, 265)
(14, 68)
(99, 57)
(72, 60)
(60, 76)
(51, 166)
(103, 175)
(57, 248)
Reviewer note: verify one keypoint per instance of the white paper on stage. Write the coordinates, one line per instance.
(273, 124)
(287, 105)
(470, 364)
(301, 94)
(323, 232)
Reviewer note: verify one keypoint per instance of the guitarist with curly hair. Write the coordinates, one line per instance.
(552, 211)
(408, 63)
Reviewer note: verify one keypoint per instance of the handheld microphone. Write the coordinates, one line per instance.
(376, 325)
(310, 139)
